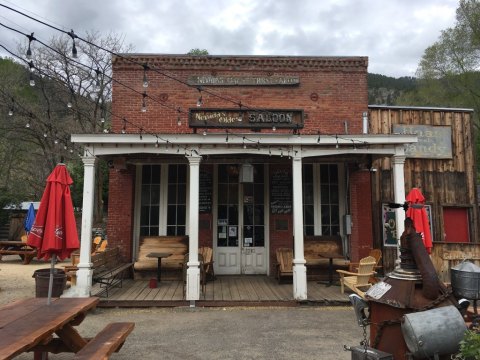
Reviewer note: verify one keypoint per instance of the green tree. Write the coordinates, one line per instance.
(197, 51)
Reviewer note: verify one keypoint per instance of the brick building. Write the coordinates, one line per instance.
(245, 154)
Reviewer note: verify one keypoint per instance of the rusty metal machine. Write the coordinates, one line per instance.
(411, 292)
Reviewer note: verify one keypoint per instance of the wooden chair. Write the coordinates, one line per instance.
(359, 279)
(284, 263)
(207, 253)
(377, 254)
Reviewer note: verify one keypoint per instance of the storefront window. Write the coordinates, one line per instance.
(151, 205)
(321, 199)
(177, 200)
(227, 223)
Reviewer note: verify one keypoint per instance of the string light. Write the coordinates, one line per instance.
(274, 128)
(204, 132)
(97, 81)
(145, 78)
(70, 101)
(354, 146)
(27, 125)
(12, 108)
(141, 131)
(124, 128)
(200, 99)
(156, 144)
(102, 113)
(179, 121)
(336, 139)
(226, 138)
(28, 55)
(74, 48)
(144, 104)
(243, 141)
(318, 139)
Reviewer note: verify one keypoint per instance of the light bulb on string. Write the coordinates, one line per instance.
(336, 139)
(156, 143)
(166, 147)
(32, 80)
(70, 101)
(145, 78)
(71, 151)
(179, 121)
(200, 98)
(144, 104)
(98, 78)
(124, 128)
(141, 131)
(274, 128)
(30, 37)
(45, 135)
(204, 132)
(74, 48)
(12, 108)
(318, 139)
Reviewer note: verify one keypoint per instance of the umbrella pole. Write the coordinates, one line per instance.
(50, 282)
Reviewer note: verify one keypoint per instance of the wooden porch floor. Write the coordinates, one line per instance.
(224, 291)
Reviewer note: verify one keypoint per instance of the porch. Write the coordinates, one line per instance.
(246, 290)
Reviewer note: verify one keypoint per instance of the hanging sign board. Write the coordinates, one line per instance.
(434, 142)
(243, 118)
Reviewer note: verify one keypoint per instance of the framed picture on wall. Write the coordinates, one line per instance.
(390, 226)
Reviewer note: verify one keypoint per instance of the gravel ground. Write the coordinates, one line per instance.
(207, 333)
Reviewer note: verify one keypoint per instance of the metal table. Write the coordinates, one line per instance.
(159, 256)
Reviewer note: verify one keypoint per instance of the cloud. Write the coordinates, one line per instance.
(393, 34)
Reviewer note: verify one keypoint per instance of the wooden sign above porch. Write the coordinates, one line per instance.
(243, 118)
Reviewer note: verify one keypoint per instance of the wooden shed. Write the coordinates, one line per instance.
(442, 165)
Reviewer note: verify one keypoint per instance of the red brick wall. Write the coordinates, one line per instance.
(331, 91)
(361, 240)
(120, 210)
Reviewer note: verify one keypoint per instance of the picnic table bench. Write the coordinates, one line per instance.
(28, 325)
(108, 269)
(20, 248)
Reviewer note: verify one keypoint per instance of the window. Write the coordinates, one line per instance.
(153, 209)
(150, 203)
(253, 209)
(177, 200)
(321, 205)
(227, 205)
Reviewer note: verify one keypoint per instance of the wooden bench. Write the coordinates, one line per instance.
(18, 248)
(317, 265)
(107, 341)
(108, 269)
(146, 267)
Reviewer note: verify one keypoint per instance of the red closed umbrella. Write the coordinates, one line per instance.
(54, 232)
(417, 212)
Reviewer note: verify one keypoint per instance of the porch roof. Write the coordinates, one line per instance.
(243, 143)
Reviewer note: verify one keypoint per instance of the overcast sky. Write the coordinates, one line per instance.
(392, 33)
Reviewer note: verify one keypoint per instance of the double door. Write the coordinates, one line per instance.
(240, 216)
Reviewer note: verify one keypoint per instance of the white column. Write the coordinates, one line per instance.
(398, 162)
(299, 269)
(84, 272)
(193, 270)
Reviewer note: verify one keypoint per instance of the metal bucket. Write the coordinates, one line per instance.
(465, 284)
(436, 331)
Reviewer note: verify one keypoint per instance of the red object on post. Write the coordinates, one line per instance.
(153, 283)
(416, 211)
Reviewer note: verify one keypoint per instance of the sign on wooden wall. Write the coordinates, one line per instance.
(390, 226)
(434, 142)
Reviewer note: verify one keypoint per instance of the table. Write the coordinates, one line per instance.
(17, 248)
(330, 257)
(29, 325)
(159, 256)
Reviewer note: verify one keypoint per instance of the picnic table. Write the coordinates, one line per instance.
(28, 325)
(17, 248)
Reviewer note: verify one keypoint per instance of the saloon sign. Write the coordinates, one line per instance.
(236, 118)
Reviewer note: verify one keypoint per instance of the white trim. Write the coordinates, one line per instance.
(137, 210)
(163, 201)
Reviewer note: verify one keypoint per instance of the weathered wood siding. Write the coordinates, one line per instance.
(445, 182)
(447, 255)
